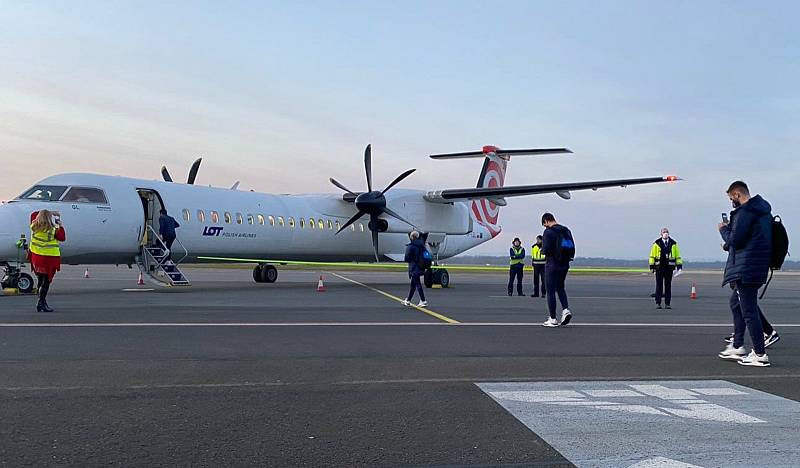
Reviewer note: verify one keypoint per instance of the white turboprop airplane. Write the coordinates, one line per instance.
(114, 220)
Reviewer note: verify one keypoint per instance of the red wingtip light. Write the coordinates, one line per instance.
(490, 149)
(671, 178)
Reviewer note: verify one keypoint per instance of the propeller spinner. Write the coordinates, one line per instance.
(372, 202)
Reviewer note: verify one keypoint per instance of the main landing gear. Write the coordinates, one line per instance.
(264, 273)
(438, 276)
(14, 278)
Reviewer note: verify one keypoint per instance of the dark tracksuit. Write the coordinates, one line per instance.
(748, 240)
(166, 229)
(515, 270)
(412, 257)
(538, 271)
(556, 269)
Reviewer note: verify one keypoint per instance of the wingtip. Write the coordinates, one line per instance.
(672, 178)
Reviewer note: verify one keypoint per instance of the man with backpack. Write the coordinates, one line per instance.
(748, 240)
(418, 259)
(558, 247)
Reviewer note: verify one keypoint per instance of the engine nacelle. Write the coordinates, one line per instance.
(453, 219)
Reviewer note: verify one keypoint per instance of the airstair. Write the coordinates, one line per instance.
(155, 262)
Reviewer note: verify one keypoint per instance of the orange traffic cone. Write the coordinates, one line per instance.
(86, 273)
(320, 285)
(140, 282)
(694, 292)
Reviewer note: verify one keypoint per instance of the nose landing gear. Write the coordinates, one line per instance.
(15, 279)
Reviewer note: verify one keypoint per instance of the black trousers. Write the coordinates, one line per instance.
(515, 271)
(416, 285)
(538, 278)
(556, 279)
(664, 285)
(43, 285)
(747, 315)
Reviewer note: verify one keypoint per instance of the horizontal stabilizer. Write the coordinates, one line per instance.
(451, 195)
(501, 152)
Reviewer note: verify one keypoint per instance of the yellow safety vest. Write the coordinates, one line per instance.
(673, 257)
(537, 255)
(45, 243)
(517, 261)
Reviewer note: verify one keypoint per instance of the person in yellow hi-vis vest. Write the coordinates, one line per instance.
(665, 257)
(45, 254)
(538, 260)
(516, 264)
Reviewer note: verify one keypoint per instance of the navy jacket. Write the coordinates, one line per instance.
(748, 240)
(550, 246)
(413, 253)
(167, 225)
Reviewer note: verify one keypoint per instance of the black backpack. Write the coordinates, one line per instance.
(565, 246)
(780, 249)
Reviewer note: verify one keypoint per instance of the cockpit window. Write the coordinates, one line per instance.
(85, 195)
(44, 193)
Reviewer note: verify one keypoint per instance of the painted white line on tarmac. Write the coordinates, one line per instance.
(588, 297)
(369, 324)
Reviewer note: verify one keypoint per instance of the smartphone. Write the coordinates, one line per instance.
(725, 218)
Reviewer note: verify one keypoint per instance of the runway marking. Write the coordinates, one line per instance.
(591, 297)
(367, 324)
(137, 290)
(390, 296)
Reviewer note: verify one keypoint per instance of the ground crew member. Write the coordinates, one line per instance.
(516, 265)
(46, 234)
(665, 257)
(538, 260)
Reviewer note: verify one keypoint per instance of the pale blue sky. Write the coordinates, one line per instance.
(284, 95)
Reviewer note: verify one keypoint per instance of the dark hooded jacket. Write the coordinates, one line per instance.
(412, 257)
(748, 240)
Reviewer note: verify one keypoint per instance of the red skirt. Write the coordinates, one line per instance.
(45, 265)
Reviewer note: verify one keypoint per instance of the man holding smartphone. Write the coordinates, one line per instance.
(748, 241)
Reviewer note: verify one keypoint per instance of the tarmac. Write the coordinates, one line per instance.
(233, 373)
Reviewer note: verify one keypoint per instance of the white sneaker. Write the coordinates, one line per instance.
(422, 304)
(406, 303)
(771, 339)
(734, 354)
(566, 316)
(755, 360)
(551, 322)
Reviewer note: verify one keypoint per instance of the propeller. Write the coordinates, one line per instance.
(192, 172)
(372, 202)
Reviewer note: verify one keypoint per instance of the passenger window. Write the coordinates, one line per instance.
(250, 219)
(330, 224)
(302, 223)
(353, 227)
(311, 223)
(260, 220)
(228, 218)
(239, 218)
(85, 195)
(272, 220)
(338, 225)
(186, 215)
(291, 222)
(215, 217)
(321, 224)
(44, 193)
(201, 216)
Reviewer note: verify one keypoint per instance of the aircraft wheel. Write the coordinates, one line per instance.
(270, 274)
(442, 277)
(258, 272)
(25, 283)
(427, 278)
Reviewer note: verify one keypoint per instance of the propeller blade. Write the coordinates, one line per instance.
(336, 183)
(398, 179)
(395, 215)
(165, 174)
(375, 238)
(193, 171)
(351, 221)
(368, 166)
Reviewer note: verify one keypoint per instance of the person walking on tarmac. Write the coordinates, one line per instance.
(45, 253)
(414, 256)
(538, 260)
(558, 247)
(516, 266)
(665, 257)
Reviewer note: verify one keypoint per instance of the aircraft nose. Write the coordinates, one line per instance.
(11, 227)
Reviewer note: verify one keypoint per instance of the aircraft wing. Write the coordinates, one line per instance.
(563, 190)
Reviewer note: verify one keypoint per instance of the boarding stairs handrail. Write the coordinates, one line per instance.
(155, 262)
